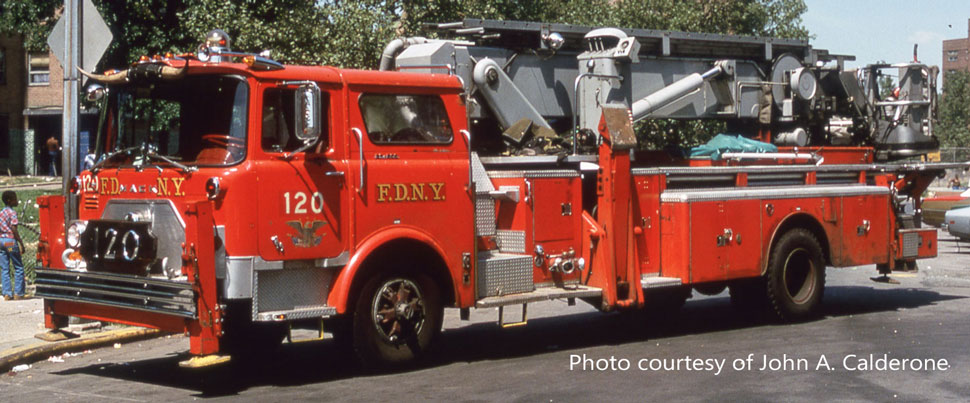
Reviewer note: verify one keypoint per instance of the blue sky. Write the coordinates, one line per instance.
(886, 29)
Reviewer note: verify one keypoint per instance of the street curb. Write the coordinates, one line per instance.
(32, 185)
(41, 351)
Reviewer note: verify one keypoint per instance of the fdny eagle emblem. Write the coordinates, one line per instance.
(306, 233)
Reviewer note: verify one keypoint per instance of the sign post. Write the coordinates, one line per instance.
(79, 38)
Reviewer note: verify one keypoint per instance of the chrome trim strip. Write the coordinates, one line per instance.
(787, 192)
(557, 173)
(220, 252)
(540, 159)
(239, 277)
(340, 260)
(797, 168)
(178, 214)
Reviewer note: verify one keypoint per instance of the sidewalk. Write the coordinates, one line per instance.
(20, 320)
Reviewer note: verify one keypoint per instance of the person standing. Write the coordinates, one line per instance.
(11, 247)
(53, 148)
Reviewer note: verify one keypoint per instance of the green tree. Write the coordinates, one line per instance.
(953, 129)
(34, 19)
(142, 27)
(352, 33)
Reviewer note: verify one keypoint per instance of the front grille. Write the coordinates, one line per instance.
(117, 290)
(166, 225)
(90, 202)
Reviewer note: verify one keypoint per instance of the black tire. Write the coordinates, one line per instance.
(796, 275)
(396, 319)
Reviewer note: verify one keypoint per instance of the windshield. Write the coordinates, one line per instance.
(194, 121)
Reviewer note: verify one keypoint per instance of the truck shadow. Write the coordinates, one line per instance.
(325, 361)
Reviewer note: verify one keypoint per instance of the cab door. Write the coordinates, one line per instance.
(416, 169)
(302, 199)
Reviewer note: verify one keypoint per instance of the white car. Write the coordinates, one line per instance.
(957, 222)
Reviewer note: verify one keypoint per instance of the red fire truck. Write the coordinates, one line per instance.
(234, 197)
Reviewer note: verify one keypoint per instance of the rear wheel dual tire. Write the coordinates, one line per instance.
(795, 281)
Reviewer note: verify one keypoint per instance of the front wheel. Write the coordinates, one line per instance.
(396, 319)
(796, 275)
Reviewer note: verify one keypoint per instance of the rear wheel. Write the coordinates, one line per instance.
(796, 275)
(396, 319)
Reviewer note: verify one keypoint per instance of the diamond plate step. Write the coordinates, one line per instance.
(484, 203)
(503, 274)
(541, 294)
(510, 241)
(483, 184)
(660, 282)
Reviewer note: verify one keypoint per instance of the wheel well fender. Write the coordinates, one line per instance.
(419, 250)
(798, 220)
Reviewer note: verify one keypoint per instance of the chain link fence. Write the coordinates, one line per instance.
(952, 176)
(955, 154)
(30, 234)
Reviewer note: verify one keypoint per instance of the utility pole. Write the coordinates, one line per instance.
(69, 124)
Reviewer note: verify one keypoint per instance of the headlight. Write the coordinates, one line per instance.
(74, 232)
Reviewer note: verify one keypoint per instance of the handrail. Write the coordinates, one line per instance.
(903, 102)
(451, 69)
(360, 146)
(471, 175)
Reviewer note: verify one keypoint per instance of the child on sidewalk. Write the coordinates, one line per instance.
(11, 246)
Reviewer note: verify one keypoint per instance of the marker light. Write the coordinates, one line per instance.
(213, 188)
(74, 186)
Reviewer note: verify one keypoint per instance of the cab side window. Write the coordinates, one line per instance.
(405, 119)
(278, 120)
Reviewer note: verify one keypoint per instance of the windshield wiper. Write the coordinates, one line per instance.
(97, 167)
(185, 169)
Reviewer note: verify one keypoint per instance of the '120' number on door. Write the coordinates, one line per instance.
(296, 203)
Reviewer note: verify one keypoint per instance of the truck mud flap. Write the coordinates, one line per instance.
(117, 290)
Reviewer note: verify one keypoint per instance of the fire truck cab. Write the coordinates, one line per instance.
(274, 194)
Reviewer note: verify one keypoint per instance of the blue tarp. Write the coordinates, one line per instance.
(736, 143)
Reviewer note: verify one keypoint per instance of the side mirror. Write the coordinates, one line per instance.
(307, 112)
(94, 92)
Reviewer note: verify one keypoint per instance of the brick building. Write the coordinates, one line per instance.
(12, 96)
(31, 104)
(956, 55)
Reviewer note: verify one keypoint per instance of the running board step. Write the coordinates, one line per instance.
(660, 282)
(541, 294)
